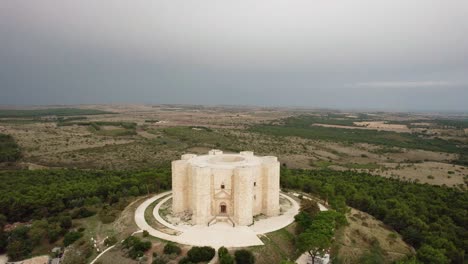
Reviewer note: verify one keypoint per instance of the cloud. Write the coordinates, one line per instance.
(407, 84)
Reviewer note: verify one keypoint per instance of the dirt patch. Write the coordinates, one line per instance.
(436, 173)
(357, 238)
(377, 125)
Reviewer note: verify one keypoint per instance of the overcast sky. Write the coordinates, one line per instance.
(368, 54)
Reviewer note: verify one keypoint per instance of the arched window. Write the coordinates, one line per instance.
(222, 186)
(255, 183)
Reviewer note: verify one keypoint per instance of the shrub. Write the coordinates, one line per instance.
(160, 260)
(226, 259)
(136, 247)
(199, 254)
(82, 212)
(71, 237)
(185, 260)
(171, 248)
(145, 233)
(222, 251)
(110, 241)
(224, 256)
(244, 256)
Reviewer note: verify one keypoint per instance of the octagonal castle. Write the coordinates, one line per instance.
(233, 186)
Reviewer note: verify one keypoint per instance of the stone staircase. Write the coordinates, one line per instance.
(221, 218)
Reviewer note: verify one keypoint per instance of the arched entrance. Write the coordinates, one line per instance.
(222, 208)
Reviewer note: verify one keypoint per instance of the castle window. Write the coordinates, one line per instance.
(222, 186)
(255, 197)
(255, 183)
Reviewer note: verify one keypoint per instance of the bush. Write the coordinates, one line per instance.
(222, 251)
(185, 260)
(224, 256)
(244, 256)
(71, 237)
(137, 248)
(110, 241)
(226, 259)
(171, 248)
(82, 212)
(199, 254)
(145, 233)
(160, 260)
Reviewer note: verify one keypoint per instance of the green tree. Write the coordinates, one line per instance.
(315, 242)
(171, 248)
(199, 254)
(71, 237)
(244, 256)
(430, 255)
(310, 207)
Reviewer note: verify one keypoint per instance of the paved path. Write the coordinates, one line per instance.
(217, 235)
(111, 247)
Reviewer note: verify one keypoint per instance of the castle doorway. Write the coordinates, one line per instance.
(222, 208)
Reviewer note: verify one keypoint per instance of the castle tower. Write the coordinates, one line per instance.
(228, 186)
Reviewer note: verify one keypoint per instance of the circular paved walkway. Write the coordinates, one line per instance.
(217, 235)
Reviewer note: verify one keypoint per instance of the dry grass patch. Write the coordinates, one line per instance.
(356, 239)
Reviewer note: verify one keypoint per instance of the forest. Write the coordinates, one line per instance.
(430, 218)
(9, 150)
(301, 126)
(26, 195)
(49, 199)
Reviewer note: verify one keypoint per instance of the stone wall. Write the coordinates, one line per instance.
(246, 184)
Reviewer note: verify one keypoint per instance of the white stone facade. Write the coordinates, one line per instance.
(237, 186)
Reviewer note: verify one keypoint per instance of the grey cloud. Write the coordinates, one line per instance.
(275, 52)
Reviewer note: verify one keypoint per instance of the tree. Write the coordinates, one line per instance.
(18, 249)
(244, 256)
(430, 255)
(3, 235)
(171, 248)
(71, 237)
(222, 251)
(226, 259)
(224, 256)
(199, 254)
(310, 207)
(315, 242)
(66, 222)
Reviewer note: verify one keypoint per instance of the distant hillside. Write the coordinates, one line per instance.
(50, 112)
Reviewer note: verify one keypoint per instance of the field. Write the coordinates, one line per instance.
(113, 141)
(141, 136)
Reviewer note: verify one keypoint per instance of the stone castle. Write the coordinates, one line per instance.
(233, 186)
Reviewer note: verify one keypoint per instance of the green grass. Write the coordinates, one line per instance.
(367, 166)
(438, 123)
(301, 127)
(50, 112)
(118, 132)
(9, 150)
(202, 137)
(279, 245)
(322, 164)
(329, 119)
(121, 128)
(21, 121)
